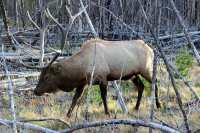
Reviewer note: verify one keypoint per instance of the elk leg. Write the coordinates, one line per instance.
(156, 95)
(140, 86)
(76, 98)
(103, 89)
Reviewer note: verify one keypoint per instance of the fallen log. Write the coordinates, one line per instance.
(131, 122)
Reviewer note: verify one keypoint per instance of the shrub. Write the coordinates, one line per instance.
(183, 62)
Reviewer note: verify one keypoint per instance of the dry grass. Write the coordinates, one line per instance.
(56, 106)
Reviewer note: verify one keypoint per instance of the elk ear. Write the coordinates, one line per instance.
(56, 68)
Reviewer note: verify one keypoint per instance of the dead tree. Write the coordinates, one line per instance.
(5, 20)
(178, 97)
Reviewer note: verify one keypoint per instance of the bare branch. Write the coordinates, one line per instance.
(33, 22)
(47, 12)
(132, 122)
(73, 17)
(120, 97)
(89, 21)
(29, 126)
(69, 12)
(46, 119)
(28, 66)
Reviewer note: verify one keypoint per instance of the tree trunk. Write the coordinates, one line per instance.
(5, 20)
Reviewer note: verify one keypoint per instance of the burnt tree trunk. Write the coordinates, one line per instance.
(5, 20)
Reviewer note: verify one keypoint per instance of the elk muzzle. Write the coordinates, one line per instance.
(37, 93)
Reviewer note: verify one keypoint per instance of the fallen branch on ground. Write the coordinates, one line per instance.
(28, 126)
(46, 119)
(123, 122)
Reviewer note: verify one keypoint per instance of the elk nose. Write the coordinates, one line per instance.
(36, 93)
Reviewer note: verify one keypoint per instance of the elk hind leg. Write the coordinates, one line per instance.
(156, 95)
(140, 86)
(103, 88)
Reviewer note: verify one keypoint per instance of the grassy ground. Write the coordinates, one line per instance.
(56, 106)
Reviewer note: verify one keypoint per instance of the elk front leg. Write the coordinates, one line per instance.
(76, 98)
(103, 88)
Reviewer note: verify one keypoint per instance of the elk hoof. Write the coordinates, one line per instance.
(136, 108)
(158, 105)
(108, 115)
(68, 115)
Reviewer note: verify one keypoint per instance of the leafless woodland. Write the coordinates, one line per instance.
(31, 34)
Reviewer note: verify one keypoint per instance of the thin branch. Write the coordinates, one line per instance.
(88, 20)
(121, 122)
(33, 22)
(120, 97)
(69, 12)
(54, 19)
(45, 119)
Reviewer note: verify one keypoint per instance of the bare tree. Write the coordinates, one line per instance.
(168, 68)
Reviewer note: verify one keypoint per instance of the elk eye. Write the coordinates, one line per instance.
(46, 77)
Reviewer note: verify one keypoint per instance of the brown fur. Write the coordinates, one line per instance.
(114, 60)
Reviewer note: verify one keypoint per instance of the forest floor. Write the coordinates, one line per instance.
(30, 107)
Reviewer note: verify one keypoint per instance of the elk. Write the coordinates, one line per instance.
(113, 60)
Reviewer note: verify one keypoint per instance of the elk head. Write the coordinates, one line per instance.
(49, 80)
